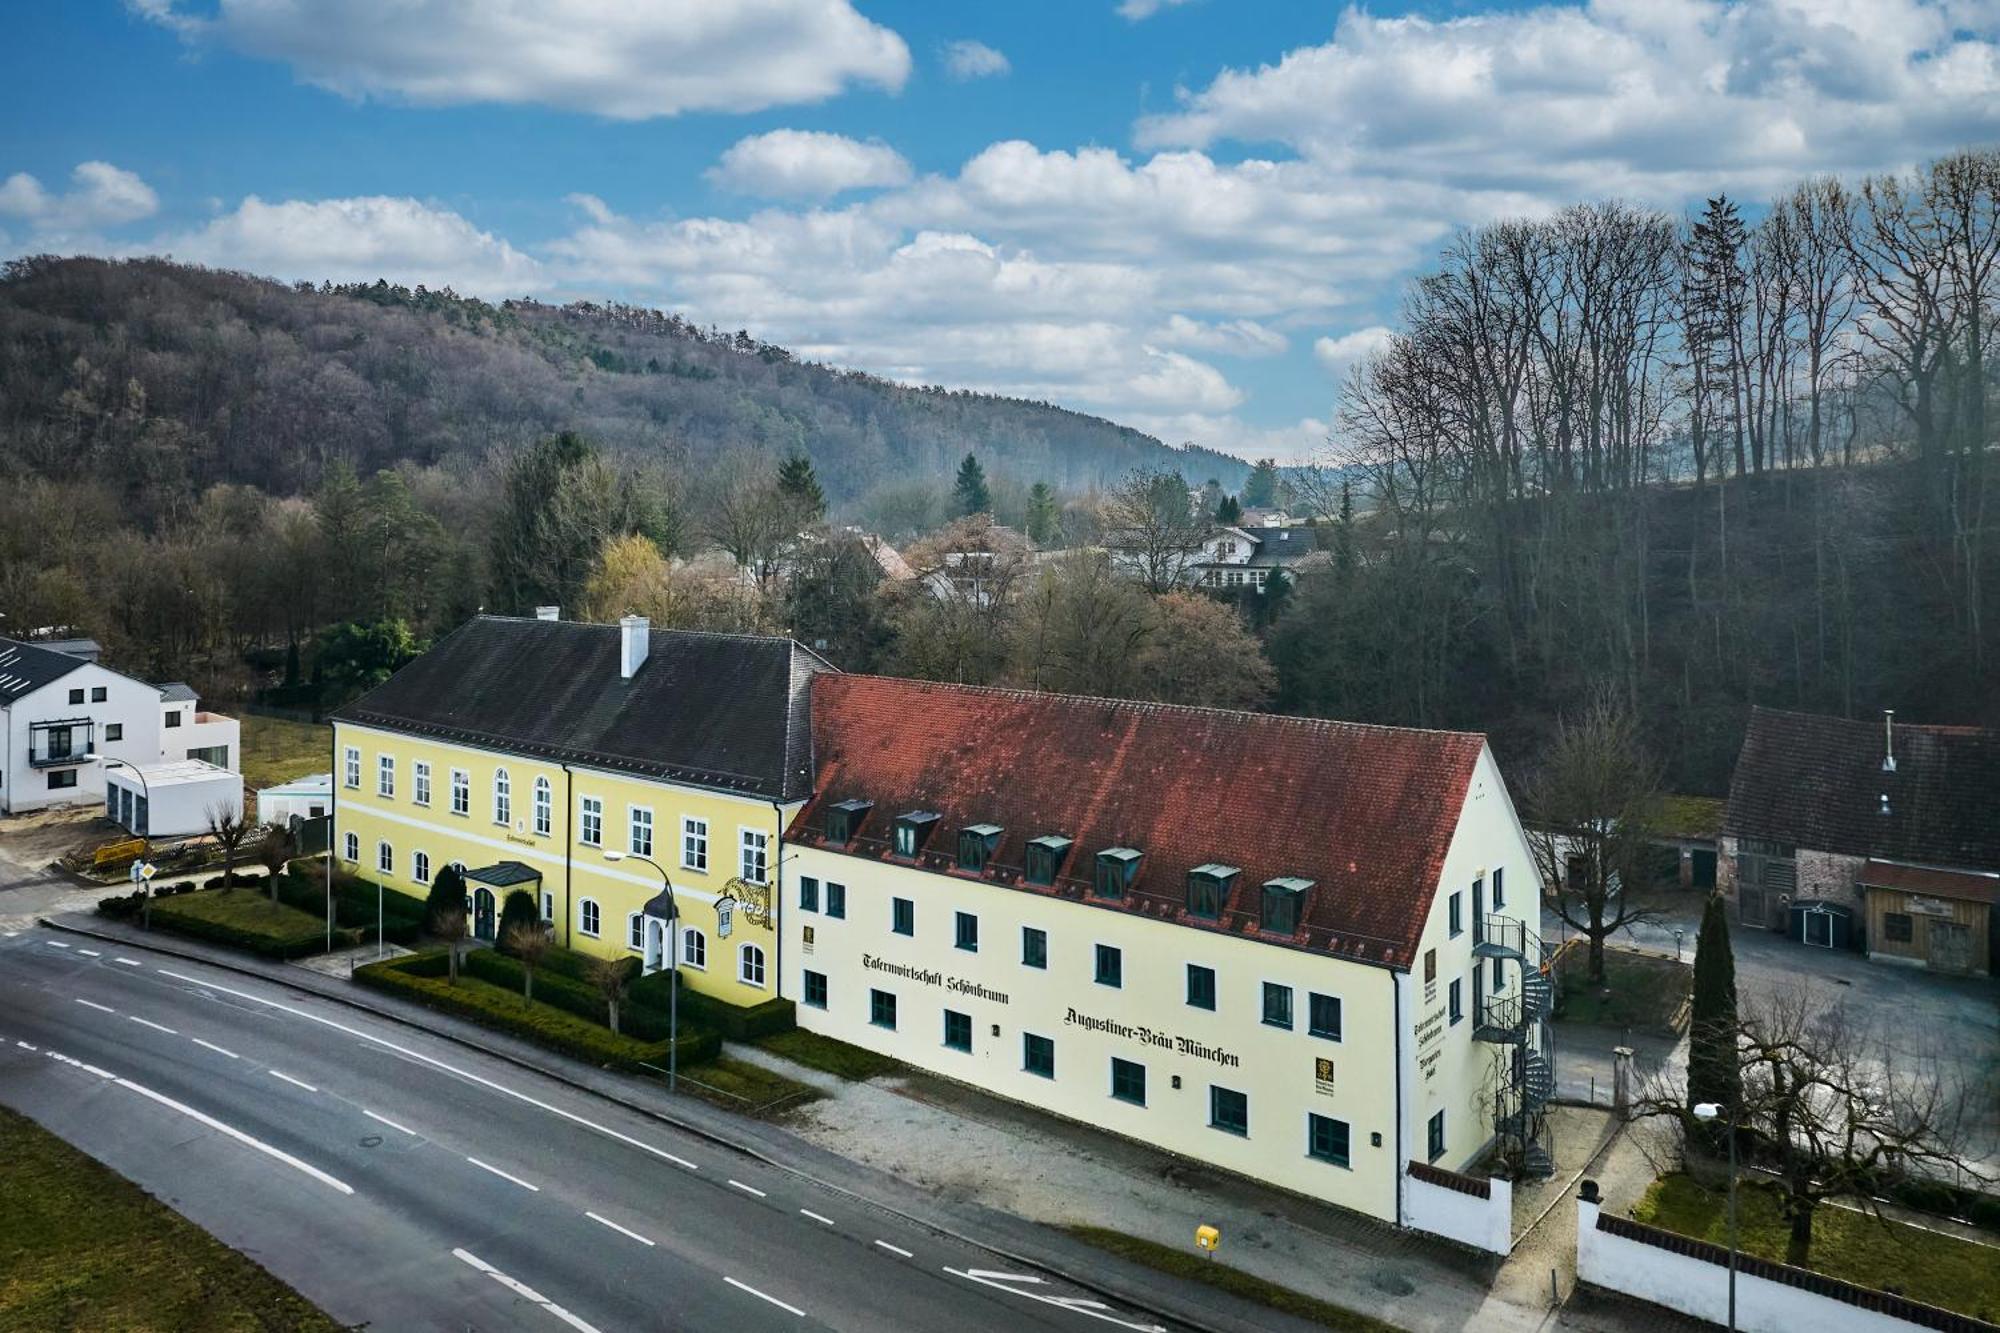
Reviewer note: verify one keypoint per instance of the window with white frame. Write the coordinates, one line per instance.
(590, 821)
(756, 855)
(503, 797)
(694, 949)
(545, 808)
(420, 867)
(350, 847)
(635, 930)
(694, 844)
(588, 918)
(385, 775)
(641, 838)
(385, 858)
(750, 965)
(350, 767)
(548, 906)
(461, 792)
(420, 782)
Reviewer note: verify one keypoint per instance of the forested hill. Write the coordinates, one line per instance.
(200, 376)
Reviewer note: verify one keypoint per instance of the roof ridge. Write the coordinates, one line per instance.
(1141, 705)
(651, 628)
(1947, 728)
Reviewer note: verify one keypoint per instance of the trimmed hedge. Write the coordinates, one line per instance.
(647, 997)
(424, 979)
(736, 1023)
(573, 997)
(303, 885)
(170, 916)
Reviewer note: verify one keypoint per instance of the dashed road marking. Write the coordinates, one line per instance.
(623, 1231)
(825, 1221)
(213, 1047)
(129, 962)
(524, 1291)
(1091, 1309)
(749, 1189)
(297, 1083)
(744, 1286)
(503, 1175)
(158, 1027)
(92, 1004)
(385, 1120)
(894, 1249)
(55, 944)
(90, 953)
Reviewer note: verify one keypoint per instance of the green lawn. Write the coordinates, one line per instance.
(741, 1086)
(244, 918)
(1925, 1266)
(81, 1248)
(827, 1055)
(276, 751)
(1193, 1265)
(1643, 993)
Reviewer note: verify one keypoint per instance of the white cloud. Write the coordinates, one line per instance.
(610, 57)
(1236, 337)
(100, 195)
(807, 164)
(1339, 354)
(347, 240)
(1135, 10)
(1299, 442)
(968, 59)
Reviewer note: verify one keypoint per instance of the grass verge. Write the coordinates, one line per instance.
(1213, 1272)
(245, 918)
(82, 1248)
(810, 1049)
(1640, 992)
(1926, 1266)
(276, 750)
(742, 1086)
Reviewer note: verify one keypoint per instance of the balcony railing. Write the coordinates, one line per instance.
(53, 747)
(1499, 1019)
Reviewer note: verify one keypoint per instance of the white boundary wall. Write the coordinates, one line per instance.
(1483, 1223)
(1698, 1286)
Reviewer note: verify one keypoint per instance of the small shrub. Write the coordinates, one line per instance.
(122, 906)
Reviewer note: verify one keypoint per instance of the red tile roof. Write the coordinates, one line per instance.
(1367, 813)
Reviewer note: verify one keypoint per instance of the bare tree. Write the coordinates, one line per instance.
(530, 944)
(231, 829)
(749, 517)
(1591, 805)
(275, 851)
(610, 976)
(1154, 528)
(1080, 629)
(449, 925)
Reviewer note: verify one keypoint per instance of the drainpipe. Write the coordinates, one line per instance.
(1396, 1004)
(569, 843)
(778, 900)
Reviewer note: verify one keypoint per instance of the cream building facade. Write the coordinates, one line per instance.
(523, 751)
(1297, 950)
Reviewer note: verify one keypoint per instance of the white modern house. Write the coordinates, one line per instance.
(171, 798)
(65, 719)
(302, 798)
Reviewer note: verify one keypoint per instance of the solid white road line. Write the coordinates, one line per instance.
(977, 1273)
(744, 1286)
(92, 1004)
(749, 1189)
(90, 953)
(615, 1227)
(1005, 1281)
(894, 1249)
(435, 1063)
(75, 1063)
(129, 962)
(297, 1083)
(237, 1134)
(213, 1047)
(503, 1175)
(158, 1027)
(385, 1120)
(827, 1221)
(524, 1291)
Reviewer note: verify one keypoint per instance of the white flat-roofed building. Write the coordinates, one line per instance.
(302, 798)
(171, 798)
(1299, 950)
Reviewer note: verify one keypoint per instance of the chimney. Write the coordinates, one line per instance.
(1888, 742)
(548, 613)
(635, 639)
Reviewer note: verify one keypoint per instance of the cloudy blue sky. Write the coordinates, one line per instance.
(1188, 215)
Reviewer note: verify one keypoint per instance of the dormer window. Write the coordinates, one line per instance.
(912, 831)
(1208, 889)
(1045, 858)
(975, 845)
(844, 819)
(1117, 867)
(1284, 901)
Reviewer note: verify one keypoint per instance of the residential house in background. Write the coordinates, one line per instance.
(526, 751)
(980, 563)
(1875, 835)
(62, 717)
(1251, 557)
(1300, 950)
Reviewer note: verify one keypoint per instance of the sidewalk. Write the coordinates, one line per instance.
(1003, 1176)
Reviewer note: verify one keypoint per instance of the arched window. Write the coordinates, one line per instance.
(503, 797)
(350, 847)
(420, 867)
(694, 949)
(750, 965)
(385, 858)
(588, 917)
(635, 930)
(545, 807)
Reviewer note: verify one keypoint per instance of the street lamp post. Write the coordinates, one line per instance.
(145, 885)
(673, 948)
(1708, 1113)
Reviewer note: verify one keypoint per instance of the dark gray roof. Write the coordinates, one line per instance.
(1285, 546)
(723, 711)
(503, 874)
(178, 692)
(26, 667)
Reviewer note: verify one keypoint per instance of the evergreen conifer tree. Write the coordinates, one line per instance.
(969, 494)
(1229, 511)
(1260, 491)
(1042, 513)
(1713, 1072)
(799, 484)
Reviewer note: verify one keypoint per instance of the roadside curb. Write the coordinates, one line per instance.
(360, 1000)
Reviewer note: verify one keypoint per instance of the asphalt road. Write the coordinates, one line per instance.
(401, 1181)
